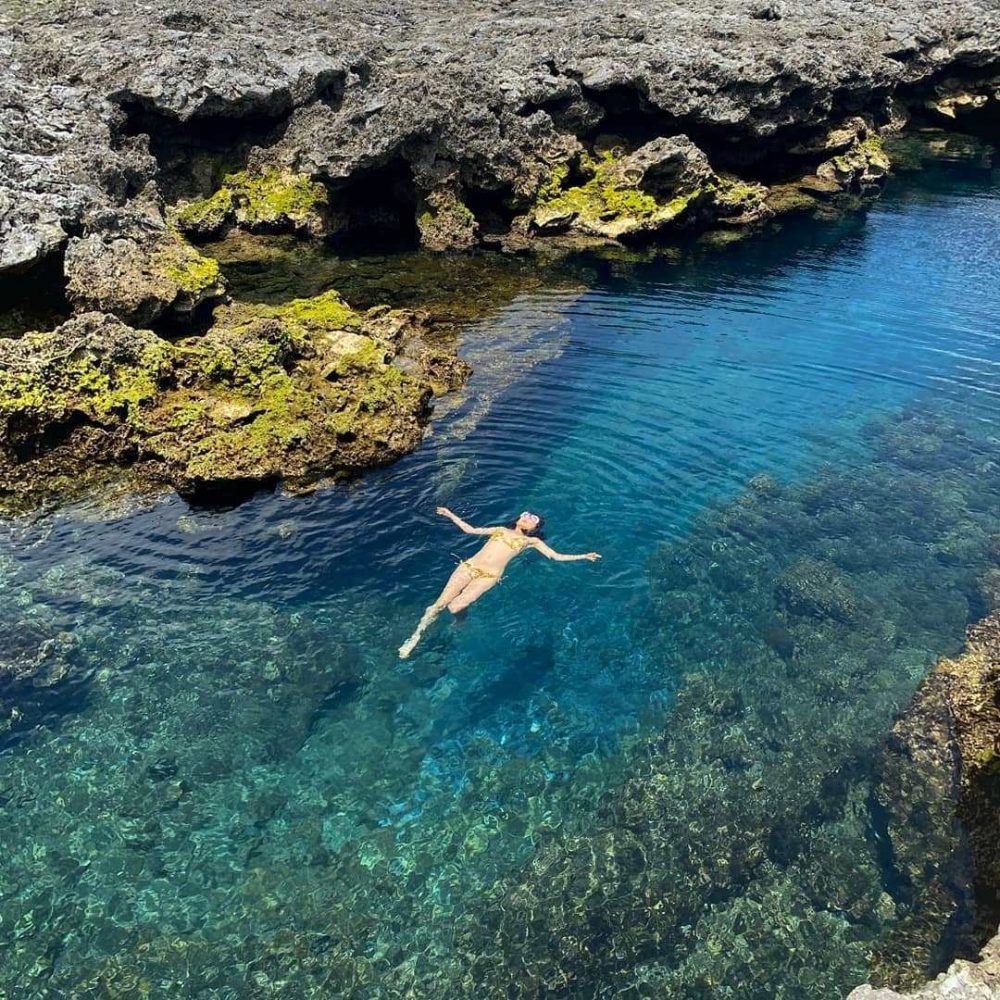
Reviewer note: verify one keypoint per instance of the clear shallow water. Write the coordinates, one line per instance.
(644, 777)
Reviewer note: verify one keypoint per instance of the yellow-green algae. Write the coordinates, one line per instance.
(82, 383)
(271, 199)
(602, 203)
(266, 383)
(736, 196)
(181, 263)
(291, 390)
(446, 222)
(867, 160)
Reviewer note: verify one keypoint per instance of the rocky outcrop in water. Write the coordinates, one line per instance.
(296, 391)
(939, 792)
(964, 980)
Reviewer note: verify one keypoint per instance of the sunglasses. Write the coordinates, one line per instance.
(529, 516)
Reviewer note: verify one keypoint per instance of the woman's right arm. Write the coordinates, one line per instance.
(464, 525)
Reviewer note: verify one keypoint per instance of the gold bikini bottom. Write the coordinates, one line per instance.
(476, 572)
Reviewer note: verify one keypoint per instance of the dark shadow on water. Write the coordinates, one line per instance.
(516, 683)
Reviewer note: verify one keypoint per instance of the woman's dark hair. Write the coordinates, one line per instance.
(535, 532)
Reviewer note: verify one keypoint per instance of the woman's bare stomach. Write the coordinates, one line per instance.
(493, 557)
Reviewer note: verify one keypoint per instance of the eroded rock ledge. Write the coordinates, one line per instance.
(464, 123)
(964, 980)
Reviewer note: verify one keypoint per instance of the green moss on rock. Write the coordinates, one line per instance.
(865, 164)
(291, 391)
(194, 273)
(445, 222)
(786, 198)
(92, 382)
(207, 215)
(610, 203)
(268, 201)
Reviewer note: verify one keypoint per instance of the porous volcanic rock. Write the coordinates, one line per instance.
(939, 792)
(388, 99)
(132, 265)
(963, 980)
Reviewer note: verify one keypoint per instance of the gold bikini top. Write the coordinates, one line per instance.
(517, 543)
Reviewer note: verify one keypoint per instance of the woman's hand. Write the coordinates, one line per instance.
(592, 556)
(444, 512)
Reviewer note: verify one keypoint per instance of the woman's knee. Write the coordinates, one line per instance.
(459, 603)
(468, 596)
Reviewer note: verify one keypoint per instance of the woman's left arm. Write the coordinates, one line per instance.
(550, 553)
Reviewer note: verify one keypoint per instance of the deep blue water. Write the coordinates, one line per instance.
(244, 747)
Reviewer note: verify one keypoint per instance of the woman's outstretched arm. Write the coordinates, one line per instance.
(464, 525)
(550, 553)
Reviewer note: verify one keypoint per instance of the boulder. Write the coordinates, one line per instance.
(137, 268)
(626, 194)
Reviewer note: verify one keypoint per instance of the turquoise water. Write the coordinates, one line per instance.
(651, 776)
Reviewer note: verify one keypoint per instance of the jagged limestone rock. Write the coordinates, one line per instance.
(136, 267)
(140, 283)
(341, 94)
(963, 980)
(939, 790)
(864, 164)
(954, 99)
(445, 223)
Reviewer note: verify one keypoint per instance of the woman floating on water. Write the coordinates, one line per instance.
(475, 576)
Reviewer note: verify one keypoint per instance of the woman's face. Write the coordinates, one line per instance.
(528, 521)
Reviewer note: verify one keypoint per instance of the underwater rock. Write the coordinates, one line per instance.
(916, 792)
(817, 589)
(939, 790)
(293, 392)
(32, 653)
(37, 653)
(963, 980)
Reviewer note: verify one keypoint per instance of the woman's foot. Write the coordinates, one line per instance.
(429, 615)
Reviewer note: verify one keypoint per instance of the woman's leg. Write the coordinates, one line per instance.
(457, 583)
(471, 594)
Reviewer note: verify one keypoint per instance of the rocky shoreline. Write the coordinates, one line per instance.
(130, 140)
(940, 792)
